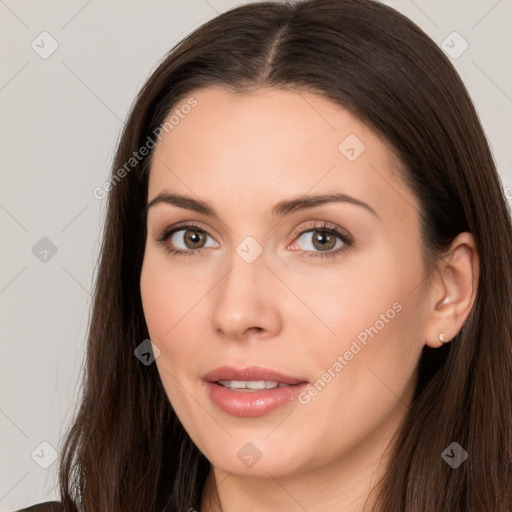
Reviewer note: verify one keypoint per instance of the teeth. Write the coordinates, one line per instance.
(251, 384)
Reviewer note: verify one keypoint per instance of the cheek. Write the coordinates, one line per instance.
(173, 301)
(157, 302)
(168, 301)
(367, 311)
(167, 295)
(365, 374)
(350, 296)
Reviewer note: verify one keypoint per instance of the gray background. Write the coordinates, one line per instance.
(60, 120)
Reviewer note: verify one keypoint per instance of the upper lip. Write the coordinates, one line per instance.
(250, 373)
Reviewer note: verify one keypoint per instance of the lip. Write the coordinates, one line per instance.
(250, 373)
(251, 403)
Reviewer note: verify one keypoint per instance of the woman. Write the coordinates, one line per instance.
(306, 221)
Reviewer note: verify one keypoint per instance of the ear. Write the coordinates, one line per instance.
(453, 290)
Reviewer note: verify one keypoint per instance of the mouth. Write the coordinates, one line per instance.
(252, 391)
(251, 385)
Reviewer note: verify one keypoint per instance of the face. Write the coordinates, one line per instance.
(327, 293)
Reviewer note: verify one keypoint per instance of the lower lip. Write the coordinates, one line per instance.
(252, 403)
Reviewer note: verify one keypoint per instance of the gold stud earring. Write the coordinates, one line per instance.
(441, 338)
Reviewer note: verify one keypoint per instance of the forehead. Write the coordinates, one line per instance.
(272, 143)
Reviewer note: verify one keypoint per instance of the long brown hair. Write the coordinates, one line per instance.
(126, 449)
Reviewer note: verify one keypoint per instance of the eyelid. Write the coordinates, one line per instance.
(320, 225)
(347, 240)
(170, 230)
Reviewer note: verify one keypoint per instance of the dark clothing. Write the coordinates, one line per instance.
(48, 506)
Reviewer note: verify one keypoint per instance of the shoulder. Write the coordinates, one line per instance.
(48, 506)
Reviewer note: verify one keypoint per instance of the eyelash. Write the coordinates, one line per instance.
(323, 227)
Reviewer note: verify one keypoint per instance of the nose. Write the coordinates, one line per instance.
(246, 302)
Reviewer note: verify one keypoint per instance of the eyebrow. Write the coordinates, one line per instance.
(281, 209)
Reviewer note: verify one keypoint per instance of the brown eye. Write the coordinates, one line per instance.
(186, 239)
(193, 238)
(323, 240)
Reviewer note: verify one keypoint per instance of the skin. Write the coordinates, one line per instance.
(242, 154)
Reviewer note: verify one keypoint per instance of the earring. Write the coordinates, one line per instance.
(441, 338)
